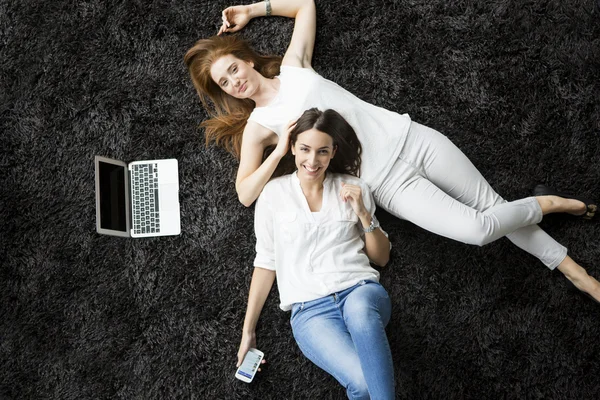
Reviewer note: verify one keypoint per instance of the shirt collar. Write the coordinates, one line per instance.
(326, 181)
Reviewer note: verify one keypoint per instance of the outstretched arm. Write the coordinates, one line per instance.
(262, 281)
(299, 52)
(263, 277)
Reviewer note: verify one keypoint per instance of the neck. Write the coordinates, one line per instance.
(312, 187)
(266, 91)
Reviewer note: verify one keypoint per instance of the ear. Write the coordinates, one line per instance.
(251, 64)
(333, 152)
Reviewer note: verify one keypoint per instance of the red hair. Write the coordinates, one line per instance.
(228, 115)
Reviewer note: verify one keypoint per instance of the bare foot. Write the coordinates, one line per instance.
(555, 204)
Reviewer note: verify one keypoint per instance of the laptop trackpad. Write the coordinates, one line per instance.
(169, 197)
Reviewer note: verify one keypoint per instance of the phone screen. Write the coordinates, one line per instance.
(249, 365)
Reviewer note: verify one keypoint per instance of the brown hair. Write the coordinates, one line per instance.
(347, 158)
(228, 115)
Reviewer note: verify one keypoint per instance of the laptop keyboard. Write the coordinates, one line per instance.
(144, 193)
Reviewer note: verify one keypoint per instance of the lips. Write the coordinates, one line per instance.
(310, 170)
(242, 88)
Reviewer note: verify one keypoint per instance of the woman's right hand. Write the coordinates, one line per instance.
(248, 342)
(234, 18)
(283, 144)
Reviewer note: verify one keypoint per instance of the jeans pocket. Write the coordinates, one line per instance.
(296, 309)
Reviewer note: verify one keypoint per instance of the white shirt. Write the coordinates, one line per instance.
(382, 133)
(312, 257)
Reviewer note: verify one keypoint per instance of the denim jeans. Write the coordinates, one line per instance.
(344, 334)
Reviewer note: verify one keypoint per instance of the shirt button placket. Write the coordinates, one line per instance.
(314, 232)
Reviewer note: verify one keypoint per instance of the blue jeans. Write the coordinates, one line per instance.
(344, 334)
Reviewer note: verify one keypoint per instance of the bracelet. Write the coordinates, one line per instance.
(374, 225)
(268, 6)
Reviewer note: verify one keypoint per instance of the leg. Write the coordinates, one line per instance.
(450, 197)
(553, 204)
(580, 278)
(366, 311)
(422, 202)
(448, 168)
(322, 336)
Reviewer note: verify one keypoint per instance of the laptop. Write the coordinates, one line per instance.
(139, 199)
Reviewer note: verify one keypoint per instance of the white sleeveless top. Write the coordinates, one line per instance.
(382, 133)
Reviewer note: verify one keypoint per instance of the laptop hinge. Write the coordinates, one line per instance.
(131, 231)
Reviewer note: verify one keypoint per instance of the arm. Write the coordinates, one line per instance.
(263, 277)
(262, 281)
(253, 174)
(299, 52)
(377, 245)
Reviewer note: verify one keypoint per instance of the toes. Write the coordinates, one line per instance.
(591, 211)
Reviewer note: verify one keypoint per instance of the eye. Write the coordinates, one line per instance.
(224, 83)
(234, 69)
(324, 151)
(303, 149)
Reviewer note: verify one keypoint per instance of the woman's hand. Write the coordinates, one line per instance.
(234, 18)
(283, 145)
(353, 194)
(248, 342)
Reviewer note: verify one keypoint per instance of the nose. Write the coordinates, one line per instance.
(312, 157)
(236, 82)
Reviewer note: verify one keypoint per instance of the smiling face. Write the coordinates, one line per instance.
(313, 150)
(235, 77)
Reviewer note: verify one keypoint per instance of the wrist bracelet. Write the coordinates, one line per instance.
(268, 6)
(374, 225)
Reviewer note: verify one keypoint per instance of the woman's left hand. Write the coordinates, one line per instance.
(353, 194)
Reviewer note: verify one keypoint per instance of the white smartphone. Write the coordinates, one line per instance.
(249, 366)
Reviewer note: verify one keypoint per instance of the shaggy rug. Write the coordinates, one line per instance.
(515, 84)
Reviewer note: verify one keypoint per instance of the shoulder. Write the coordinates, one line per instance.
(289, 70)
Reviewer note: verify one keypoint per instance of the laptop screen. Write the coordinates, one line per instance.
(112, 197)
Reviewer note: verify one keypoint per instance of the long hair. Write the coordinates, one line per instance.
(228, 115)
(347, 159)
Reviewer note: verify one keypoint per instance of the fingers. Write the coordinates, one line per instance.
(226, 24)
(291, 125)
(225, 18)
(350, 192)
(261, 363)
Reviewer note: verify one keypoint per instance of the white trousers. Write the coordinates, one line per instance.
(435, 186)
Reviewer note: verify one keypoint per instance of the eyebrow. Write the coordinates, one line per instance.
(320, 148)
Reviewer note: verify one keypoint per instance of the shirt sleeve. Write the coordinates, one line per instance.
(263, 229)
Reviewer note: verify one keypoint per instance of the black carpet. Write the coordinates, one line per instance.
(515, 84)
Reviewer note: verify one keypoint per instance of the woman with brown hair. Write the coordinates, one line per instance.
(316, 235)
(414, 172)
